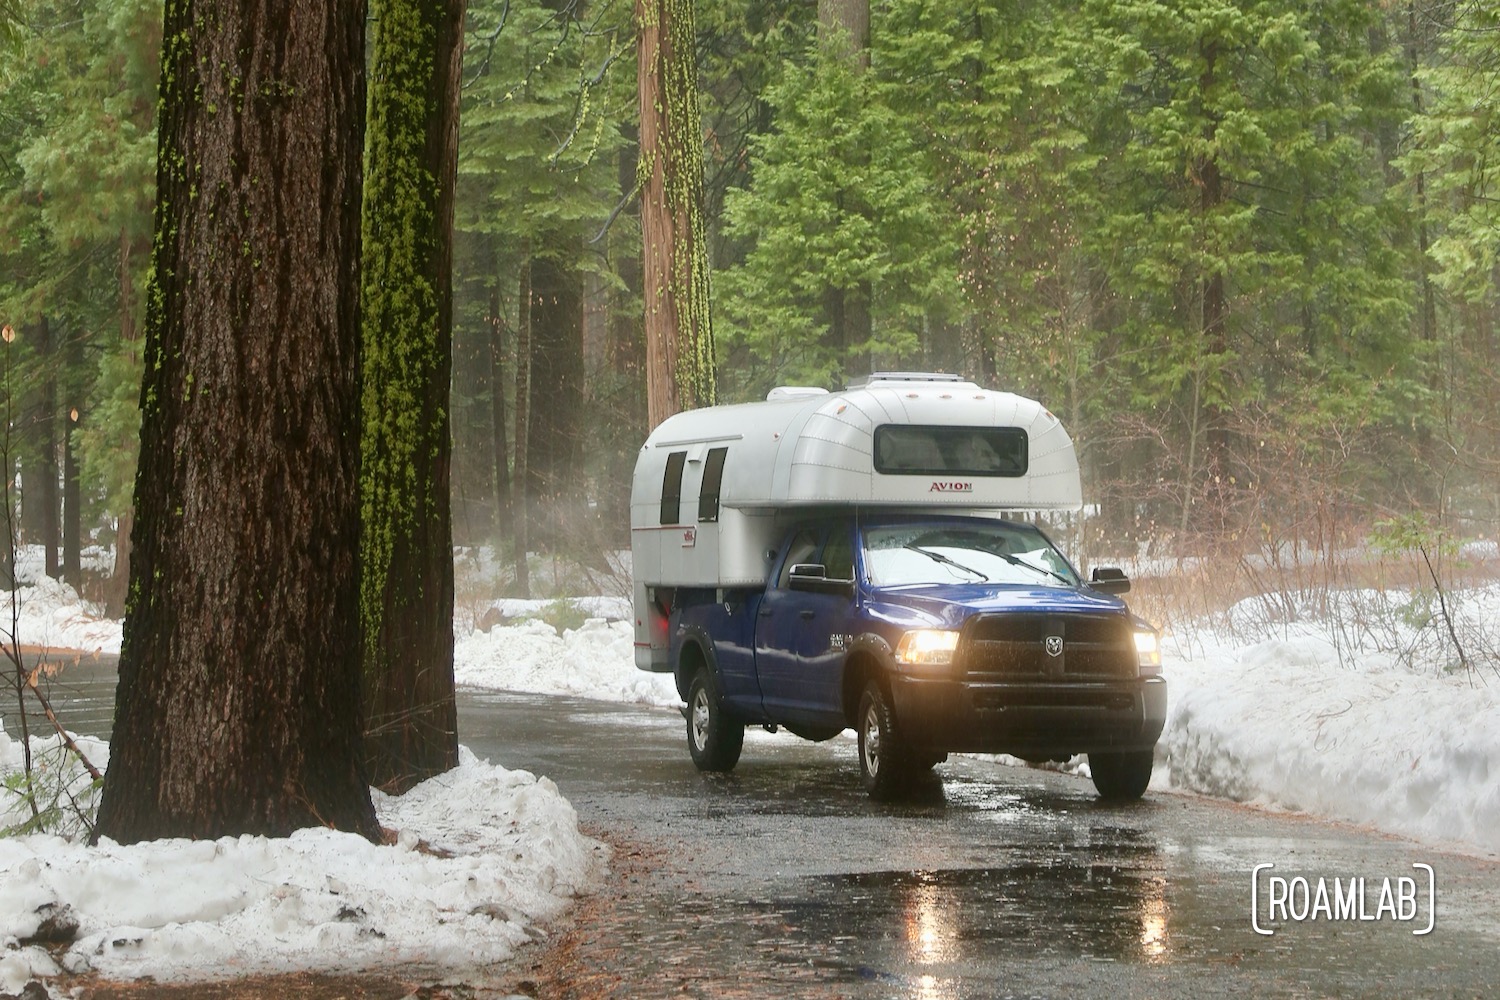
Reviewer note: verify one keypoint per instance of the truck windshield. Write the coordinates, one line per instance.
(998, 552)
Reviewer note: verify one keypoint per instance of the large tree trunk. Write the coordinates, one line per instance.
(1209, 419)
(406, 600)
(72, 526)
(118, 584)
(520, 536)
(40, 501)
(499, 446)
(72, 486)
(553, 452)
(674, 248)
(851, 19)
(626, 348)
(238, 709)
(844, 27)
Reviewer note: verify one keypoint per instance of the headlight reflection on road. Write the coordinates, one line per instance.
(931, 936)
(1154, 915)
(929, 930)
(933, 988)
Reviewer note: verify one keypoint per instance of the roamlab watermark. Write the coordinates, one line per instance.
(1277, 901)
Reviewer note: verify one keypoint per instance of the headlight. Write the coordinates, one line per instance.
(1148, 653)
(926, 647)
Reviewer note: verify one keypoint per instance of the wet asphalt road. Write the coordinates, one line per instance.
(784, 880)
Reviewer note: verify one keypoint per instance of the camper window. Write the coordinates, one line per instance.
(713, 475)
(902, 449)
(671, 488)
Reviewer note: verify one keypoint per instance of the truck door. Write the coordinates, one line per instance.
(800, 635)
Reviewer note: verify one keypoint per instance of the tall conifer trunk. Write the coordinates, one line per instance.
(406, 598)
(238, 707)
(554, 453)
(679, 335)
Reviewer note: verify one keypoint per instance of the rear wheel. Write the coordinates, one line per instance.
(1121, 777)
(883, 758)
(714, 739)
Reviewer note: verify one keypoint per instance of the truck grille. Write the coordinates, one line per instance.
(1012, 647)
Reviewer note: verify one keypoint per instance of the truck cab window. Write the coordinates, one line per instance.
(802, 549)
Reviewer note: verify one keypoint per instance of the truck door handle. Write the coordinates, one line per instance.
(765, 612)
(806, 616)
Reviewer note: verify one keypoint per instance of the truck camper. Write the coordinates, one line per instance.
(826, 560)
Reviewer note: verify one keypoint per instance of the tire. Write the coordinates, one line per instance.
(714, 739)
(1121, 777)
(884, 763)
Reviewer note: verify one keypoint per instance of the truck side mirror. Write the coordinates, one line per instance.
(1109, 580)
(813, 577)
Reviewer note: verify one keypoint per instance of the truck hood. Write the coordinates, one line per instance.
(947, 605)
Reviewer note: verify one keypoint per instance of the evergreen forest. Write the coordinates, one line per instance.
(1245, 249)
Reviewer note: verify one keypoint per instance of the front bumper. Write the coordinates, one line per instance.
(1034, 720)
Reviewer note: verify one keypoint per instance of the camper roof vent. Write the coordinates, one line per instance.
(794, 392)
(878, 378)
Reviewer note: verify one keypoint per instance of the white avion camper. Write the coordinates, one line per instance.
(715, 488)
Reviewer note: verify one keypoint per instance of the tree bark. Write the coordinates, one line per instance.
(626, 346)
(844, 26)
(117, 586)
(238, 710)
(72, 522)
(406, 548)
(40, 501)
(674, 249)
(553, 451)
(520, 538)
(499, 445)
(1214, 299)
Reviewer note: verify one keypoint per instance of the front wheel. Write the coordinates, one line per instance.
(714, 740)
(1121, 777)
(883, 760)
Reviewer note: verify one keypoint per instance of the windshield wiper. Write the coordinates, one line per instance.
(939, 557)
(1018, 561)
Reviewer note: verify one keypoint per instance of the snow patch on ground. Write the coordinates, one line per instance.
(594, 661)
(482, 855)
(50, 614)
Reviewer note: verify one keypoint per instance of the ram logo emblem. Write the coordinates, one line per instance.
(1054, 645)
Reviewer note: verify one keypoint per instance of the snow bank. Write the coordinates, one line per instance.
(51, 615)
(1317, 721)
(481, 855)
(594, 661)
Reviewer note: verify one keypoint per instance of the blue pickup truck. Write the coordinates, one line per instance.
(928, 635)
(856, 560)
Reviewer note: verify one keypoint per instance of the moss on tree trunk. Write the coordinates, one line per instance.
(679, 334)
(406, 595)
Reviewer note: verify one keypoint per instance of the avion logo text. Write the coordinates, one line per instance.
(951, 487)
